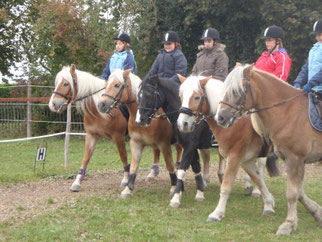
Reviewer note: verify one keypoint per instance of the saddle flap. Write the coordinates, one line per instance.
(315, 111)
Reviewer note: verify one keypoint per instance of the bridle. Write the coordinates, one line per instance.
(199, 117)
(240, 105)
(118, 96)
(72, 98)
(153, 109)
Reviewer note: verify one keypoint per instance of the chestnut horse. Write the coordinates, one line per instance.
(240, 145)
(122, 87)
(249, 90)
(77, 86)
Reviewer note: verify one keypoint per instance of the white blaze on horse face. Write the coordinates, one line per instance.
(138, 116)
(185, 122)
(50, 104)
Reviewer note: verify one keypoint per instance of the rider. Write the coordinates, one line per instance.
(275, 59)
(122, 58)
(170, 61)
(311, 73)
(212, 59)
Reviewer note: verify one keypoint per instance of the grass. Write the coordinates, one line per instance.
(146, 216)
(17, 159)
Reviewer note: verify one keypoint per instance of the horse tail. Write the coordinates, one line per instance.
(271, 165)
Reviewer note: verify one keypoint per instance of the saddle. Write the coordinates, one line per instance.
(315, 108)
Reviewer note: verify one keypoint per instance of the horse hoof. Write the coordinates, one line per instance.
(200, 199)
(126, 193)
(75, 188)
(200, 196)
(149, 178)
(174, 204)
(256, 195)
(268, 212)
(285, 229)
(248, 191)
(213, 220)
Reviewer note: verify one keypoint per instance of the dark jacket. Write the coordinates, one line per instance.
(169, 64)
(212, 62)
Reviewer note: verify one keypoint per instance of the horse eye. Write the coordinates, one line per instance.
(66, 84)
(197, 98)
(117, 85)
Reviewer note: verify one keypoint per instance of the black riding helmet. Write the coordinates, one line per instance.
(170, 36)
(123, 37)
(273, 32)
(317, 27)
(210, 33)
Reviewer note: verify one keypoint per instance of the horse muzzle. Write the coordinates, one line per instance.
(57, 105)
(225, 118)
(105, 106)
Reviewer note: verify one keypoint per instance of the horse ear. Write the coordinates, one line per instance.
(72, 69)
(204, 81)
(248, 71)
(64, 67)
(181, 78)
(127, 72)
(237, 64)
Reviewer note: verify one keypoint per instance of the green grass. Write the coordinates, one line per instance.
(146, 216)
(17, 159)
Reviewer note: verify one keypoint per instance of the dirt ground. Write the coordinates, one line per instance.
(30, 199)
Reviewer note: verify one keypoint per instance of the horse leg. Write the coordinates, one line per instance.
(233, 163)
(200, 184)
(155, 167)
(179, 150)
(205, 154)
(167, 155)
(90, 143)
(314, 208)
(221, 168)
(295, 173)
(136, 151)
(248, 187)
(120, 143)
(253, 171)
(261, 162)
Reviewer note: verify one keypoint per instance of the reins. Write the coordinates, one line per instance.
(241, 103)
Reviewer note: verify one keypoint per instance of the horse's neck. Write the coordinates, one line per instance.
(171, 105)
(271, 92)
(132, 107)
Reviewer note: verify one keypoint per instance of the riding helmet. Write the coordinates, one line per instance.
(273, 32)
(170, 36)
(210, 33)
(317, 27)
(123, 37)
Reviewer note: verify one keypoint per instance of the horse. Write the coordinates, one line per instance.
(249, 90)
(73, 85)
(122, 87)
(240, 145)
(156, 93)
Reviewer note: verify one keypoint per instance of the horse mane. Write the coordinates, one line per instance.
(135, 80)
(233, 83)
(213, 88)
(86, 84)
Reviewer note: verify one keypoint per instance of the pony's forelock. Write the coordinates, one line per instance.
(234, 82)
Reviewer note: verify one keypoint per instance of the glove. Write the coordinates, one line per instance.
(307, 87)
(296, 85)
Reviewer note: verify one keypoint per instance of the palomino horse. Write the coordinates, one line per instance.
(249, 90)
(122, 87)
(240, 144)
(73, 85)
(156, 93)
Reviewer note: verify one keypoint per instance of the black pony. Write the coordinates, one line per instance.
(159, 92)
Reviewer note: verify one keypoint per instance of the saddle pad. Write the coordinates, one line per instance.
(314, 117)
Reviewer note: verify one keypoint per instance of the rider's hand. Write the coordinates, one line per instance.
(307, 87)
(296, 85)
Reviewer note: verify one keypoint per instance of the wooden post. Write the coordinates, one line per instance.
(28, 109)
(68, 125)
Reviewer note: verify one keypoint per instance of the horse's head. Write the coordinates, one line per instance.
(150, 100)
(193, 102)
(117, 90)
(238, 96)
(65, 89)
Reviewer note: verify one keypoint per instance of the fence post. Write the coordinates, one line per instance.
(67, 135)
(28, 109)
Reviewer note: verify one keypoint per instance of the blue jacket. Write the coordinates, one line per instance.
(119, 60)
(311, 73)
(169, 64)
